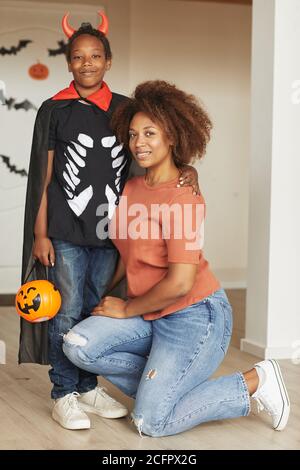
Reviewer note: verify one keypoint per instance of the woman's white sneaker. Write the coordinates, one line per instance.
(100, 403)
(68, 414)
(271, 394)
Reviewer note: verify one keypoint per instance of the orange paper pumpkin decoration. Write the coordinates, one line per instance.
(38, 301)
(38, 71)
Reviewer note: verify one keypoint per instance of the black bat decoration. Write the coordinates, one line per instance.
(11, 103)
(12, 168)
(25, 105)
(14, 49)
(60, 50)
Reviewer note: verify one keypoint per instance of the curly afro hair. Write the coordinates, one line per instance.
(87, 28)
(179, 114)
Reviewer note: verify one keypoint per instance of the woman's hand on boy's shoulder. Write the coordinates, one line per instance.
(189, 177)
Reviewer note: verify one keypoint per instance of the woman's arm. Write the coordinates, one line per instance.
(43, 249)
(177, 283)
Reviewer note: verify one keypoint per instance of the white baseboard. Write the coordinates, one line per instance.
(271, 352)
(252, 348)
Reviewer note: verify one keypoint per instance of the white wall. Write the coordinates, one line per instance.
(284, 318)
(118, 12)
(205, 49)
(272, 318)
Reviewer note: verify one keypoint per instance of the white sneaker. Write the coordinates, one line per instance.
(68, 414)
(98, 402)
(271, 394)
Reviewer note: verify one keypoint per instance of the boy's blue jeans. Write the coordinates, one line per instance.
(166, 364)
(82, 275)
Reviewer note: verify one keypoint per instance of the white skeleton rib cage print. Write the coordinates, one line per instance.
(76, 160)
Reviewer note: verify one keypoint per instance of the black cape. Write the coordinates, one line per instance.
(34, 336)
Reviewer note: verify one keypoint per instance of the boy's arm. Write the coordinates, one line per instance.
(189, 177)
(43, 249)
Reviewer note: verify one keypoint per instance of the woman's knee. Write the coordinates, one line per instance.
(150, 414)
(148, 424)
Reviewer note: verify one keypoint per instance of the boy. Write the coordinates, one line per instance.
(76, 166)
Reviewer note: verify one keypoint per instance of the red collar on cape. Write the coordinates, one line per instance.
(100, 98)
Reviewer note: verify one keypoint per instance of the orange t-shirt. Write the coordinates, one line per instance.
(154, 226)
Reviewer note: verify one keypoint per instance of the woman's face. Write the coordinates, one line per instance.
(148, 142)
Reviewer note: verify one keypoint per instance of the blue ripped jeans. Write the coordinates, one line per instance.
(166, 364)
(81, 274)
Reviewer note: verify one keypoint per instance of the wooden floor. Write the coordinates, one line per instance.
(25, 407)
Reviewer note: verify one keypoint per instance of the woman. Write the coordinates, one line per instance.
(162, 345)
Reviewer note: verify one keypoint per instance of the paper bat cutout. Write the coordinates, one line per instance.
(11, 103)
(14, 49)
(60, 50)
(12, 168)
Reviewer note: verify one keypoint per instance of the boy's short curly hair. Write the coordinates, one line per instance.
(87, 28)
(179, 114)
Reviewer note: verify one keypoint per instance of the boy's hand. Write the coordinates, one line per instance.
(43, 251)
(189, 177)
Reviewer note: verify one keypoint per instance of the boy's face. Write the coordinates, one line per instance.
(88, 63)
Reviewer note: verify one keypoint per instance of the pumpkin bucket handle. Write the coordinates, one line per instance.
(34, 266)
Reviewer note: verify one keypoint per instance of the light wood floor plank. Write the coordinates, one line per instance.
(25, 408)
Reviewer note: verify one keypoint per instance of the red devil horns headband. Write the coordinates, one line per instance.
(69, 31)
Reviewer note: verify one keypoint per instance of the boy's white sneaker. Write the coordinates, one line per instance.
(98, 402)
(68, 414)
(271, 394)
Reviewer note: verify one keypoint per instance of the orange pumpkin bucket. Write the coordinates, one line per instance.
(38, 301)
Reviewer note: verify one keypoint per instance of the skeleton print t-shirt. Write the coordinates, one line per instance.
(90, 169)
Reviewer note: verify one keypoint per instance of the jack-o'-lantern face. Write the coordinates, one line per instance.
(38, 301)
(28, 299)
(38, 71)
